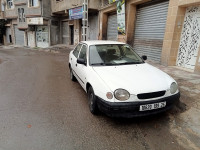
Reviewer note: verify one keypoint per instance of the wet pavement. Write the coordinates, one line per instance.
(41, 109)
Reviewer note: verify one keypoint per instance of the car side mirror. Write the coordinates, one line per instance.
(81, 61)
(144, 57)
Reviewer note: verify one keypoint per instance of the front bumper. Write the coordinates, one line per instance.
(131, 109)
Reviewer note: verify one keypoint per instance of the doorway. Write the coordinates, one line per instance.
(71, 34)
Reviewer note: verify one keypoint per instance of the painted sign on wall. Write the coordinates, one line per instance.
(35, 21)
(111, 1)
(76, 13)
(120, 15)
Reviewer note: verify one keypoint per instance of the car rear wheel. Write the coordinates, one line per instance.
(72, 77)
(92, 101)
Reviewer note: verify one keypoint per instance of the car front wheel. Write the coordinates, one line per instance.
(92, 101)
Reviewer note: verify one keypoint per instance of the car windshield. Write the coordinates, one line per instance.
(113, 54)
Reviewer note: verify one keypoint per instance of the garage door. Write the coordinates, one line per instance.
(65, 33)
(112, 32)
(150, 28)
(19, 36)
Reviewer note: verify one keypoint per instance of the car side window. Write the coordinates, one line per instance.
(76, 50)
(83, 53)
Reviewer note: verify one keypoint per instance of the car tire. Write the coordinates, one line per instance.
(72, 77)
(92, 101)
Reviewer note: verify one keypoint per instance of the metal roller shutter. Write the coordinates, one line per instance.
(65, 32)
(93, 27)
(112, 32)
(150, 29)
(19, 36)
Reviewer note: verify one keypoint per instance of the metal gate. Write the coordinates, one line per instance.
(65, 33)
(190, 39)
(19, 36)
(112, 32)
(31, 38)
(42, 36)
(150, 28)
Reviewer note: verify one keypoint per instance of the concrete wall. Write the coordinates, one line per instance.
(67, 4)
(46, 7)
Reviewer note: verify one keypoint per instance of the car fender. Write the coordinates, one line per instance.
(99, 86)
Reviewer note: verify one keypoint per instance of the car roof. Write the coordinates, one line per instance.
(100, 42)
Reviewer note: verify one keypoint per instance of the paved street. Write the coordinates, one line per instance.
(41, 109)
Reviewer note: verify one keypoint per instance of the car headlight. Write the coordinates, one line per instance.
(121, 94)
(173, 88)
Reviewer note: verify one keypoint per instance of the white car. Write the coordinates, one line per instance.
(118, 81)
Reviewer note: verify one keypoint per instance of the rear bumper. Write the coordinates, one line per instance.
(131, 109)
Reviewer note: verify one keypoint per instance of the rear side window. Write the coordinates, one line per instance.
(76, 50)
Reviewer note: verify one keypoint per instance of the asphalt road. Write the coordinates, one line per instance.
(42, 109)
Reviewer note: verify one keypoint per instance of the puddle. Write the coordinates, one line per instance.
(182, 107)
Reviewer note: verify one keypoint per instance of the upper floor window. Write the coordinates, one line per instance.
(33, 3)
(10, 4)
(2, 7)
(21, 15)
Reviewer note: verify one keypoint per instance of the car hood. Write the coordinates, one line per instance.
(140, 78)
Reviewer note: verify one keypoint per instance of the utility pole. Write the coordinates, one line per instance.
(85, 20)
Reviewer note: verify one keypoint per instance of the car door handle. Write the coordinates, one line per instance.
(76, 65)
(71, 58)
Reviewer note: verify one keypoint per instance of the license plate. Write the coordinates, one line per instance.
(152, 106)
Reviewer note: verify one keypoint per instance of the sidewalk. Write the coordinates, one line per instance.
(59, 48)
(186, 117)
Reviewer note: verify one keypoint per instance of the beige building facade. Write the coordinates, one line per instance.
(167, 31)
(29, 23)
(71, 29)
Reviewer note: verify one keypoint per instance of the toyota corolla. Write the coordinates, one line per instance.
(119, 82)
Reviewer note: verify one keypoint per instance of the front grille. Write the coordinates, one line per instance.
(151, 95)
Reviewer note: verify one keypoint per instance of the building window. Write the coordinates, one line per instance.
(10, 4)
(21, 14)
(33, 3)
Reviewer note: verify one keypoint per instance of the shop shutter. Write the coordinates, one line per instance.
(150, 29)
(93, 27)
(112, 32)
(19, 36)
(65, 33)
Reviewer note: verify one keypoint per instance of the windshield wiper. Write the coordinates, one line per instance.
(102, 64)
(98, 64)
(129, 63)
